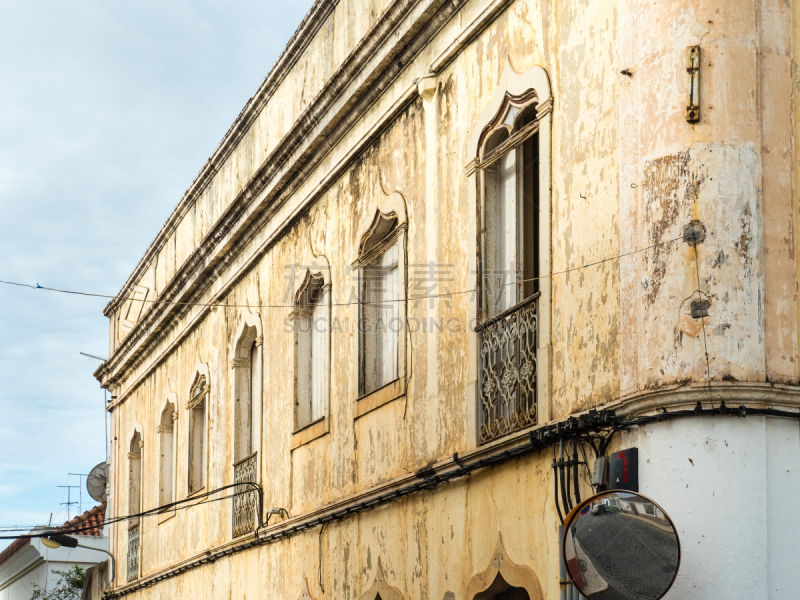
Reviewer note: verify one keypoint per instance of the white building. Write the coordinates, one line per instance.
(27, 560)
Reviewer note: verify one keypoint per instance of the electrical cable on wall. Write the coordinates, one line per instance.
(591, 423)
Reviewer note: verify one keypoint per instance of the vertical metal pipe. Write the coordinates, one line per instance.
(562, 572)
(575, 466)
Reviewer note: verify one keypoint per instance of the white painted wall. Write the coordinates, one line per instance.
(36, 563)
(731, 486)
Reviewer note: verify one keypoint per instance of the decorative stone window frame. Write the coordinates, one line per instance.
(248, 333)
(133, 543)
(483, 585)
(135, 453)
(201, 378)
(318, 427)
(391, 208)
(513, 88)
(380, 587)
(170, 408)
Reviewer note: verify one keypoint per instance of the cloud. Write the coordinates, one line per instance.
(102, 140)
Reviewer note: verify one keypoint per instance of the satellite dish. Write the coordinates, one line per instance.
(619, 545)
(96, 482)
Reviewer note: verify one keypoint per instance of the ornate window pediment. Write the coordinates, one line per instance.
(516, 121)
(197, 407)
(311, 317)
(199, 391)
(503, 579)
(381, 306)
(380, 588)
(381, 232)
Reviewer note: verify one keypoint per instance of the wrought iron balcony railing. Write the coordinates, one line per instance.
(507, 374)
(133, 551)
(245, 498)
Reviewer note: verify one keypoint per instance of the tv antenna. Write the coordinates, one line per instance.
(80, 490)
(69, 501)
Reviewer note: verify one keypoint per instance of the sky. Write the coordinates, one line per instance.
(108, 110)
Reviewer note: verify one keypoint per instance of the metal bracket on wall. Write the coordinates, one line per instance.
(693, 84)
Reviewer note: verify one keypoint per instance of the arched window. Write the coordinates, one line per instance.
(246, 405)
(135, 475)
(166, 435)
(197, 407)
(509, 161)
(381, 309)
(312, 350)
(247, 387)
(380, 588)
(511, 180)
(134, 503)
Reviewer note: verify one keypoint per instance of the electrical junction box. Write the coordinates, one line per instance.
(624, 470)
(599, 471)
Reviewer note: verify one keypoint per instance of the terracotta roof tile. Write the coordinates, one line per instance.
(89, 523)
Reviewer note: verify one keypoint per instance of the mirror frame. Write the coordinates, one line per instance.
(577, 509)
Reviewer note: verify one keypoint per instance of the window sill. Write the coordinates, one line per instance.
(166, 515)
(311, 432)
(391, 391)
(196, 492)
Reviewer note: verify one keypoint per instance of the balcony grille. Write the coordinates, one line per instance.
(133, 552)
(244, 499)
(508, 370)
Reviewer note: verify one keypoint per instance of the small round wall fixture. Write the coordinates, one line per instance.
(619, 545)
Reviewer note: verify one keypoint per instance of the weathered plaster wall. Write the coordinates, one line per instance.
(729, 171)
(430, 546)
(627, 173)
(586, 317)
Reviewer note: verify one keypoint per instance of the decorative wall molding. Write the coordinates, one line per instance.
(485, 585)
(468, 34)
(381, 587)
(685, 395)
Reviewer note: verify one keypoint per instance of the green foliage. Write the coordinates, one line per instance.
(69, 586)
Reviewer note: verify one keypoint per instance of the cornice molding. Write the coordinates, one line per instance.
(381, 56)
(756, 395)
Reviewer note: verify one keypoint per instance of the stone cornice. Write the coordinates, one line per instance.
(687, 395)
(308, 28)
(404, 30)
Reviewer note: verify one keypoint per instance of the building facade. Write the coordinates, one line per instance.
(438, 229)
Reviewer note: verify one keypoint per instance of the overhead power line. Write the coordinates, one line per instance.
(350, 303)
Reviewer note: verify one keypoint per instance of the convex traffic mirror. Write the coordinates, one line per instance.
(619, 545)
